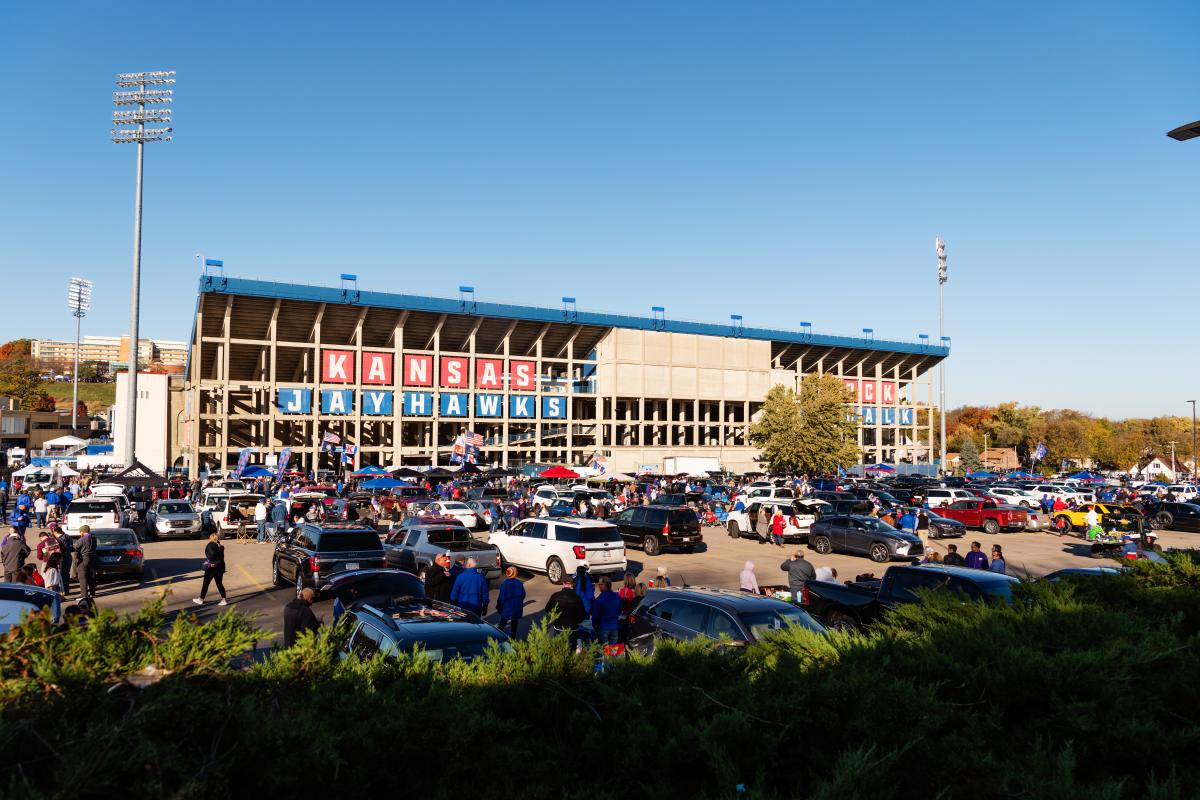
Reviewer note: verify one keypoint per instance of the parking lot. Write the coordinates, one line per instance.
(174, 566)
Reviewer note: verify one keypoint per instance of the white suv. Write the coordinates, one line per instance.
(96, 513)
(940, 498)
(558, 547)
(1015, 497)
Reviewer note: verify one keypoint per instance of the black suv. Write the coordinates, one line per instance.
(688, 613)
(670, 499)
(314, 552)
(654, 527)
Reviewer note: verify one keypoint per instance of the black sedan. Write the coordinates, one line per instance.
(856, 533)
(944, 528)
(118, 554)
(1176, 517)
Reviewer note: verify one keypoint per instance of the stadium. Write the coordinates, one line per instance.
(405, 378)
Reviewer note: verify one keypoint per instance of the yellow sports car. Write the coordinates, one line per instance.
(1076, 518)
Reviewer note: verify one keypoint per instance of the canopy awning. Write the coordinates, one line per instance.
(66, 441)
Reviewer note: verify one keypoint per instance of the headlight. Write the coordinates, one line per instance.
(162, 523)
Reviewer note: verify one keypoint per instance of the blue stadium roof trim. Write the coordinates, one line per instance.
(217, 284)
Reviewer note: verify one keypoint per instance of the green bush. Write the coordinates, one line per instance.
(1080, 690)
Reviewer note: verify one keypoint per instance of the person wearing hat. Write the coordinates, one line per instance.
(13, 553)
(565, 608)
(798, 570)
(85, 554)
(510, 602)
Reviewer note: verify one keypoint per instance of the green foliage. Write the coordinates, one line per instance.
(96, 396)
(1076, 690)
(19, 378)
(969, 455)
(777, 432)
(828, 435)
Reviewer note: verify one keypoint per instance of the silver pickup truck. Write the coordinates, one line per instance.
(413, 547)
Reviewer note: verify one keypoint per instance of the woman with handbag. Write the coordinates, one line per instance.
(214, 569)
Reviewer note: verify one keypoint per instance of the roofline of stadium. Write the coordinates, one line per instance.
(217, 284)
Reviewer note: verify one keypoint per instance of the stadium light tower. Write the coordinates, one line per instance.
(940, 246)
(79, 300)
(136, 96)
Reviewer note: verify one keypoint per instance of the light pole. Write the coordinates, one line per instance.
(941, 258)
(1195, 463)
(79, 300)
(159, 113)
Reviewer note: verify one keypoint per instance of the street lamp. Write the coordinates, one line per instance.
(940, 246)
(1185, 132)
(1194, 456)
(79, 300)
(138, 97)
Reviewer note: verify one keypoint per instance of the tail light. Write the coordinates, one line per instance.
(580, 551)
(666, 528)
(805, 597)
(117, 518)
(137, 553)
(314, 564)
(497, 558)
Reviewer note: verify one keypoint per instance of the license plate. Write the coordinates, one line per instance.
(109, 559)
(352, 565)
(605, 555)
(686, 539)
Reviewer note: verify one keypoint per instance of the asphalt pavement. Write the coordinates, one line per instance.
(175, 567)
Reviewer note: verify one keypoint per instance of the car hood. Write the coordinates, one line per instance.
(176, 516)
(906, 537)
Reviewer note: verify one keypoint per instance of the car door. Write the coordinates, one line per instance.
(680, 619)
(1187, 517)
(624, 523)
(857, 540)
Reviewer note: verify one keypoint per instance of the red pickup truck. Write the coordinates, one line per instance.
(987, 514)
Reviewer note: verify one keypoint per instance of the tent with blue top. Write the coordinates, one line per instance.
(879, 468)
(369, 471)
(255, 471)
(383, 483)
(1022, 475)
(1085, 475)
(981, 474)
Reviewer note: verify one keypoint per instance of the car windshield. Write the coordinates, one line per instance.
(175, 508)
(115, 539)
(449, 535)
(340, 542)
(681, 515)
(998, 590)
(872, 524)
(761, 623)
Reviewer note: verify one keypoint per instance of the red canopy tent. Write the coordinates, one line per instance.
(559, 472)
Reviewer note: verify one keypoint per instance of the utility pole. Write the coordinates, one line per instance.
(141, 97)
(79, 300)
(941, 257)
(1173, 472)
(1195, 458)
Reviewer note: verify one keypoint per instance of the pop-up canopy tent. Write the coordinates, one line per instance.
(255, 471)
(136, 474)
(981, 474)
(65, 441)
(383, 483)
(369, 471)
(1085, 475)
(1022, 475)
(879, 468)
(32, 469)
(558, 472)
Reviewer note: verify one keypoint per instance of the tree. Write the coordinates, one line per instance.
(18, 377)
(777, 432)
(969, 455)
(44, 402)
(828, 433)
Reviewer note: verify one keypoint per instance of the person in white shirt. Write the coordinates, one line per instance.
(260, 520)
(826, 574)
(39, 510)
(1092, 518)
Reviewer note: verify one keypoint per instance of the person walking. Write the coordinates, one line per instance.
(952, 558)
(998, 563)
(606, 612)
(747, 580)
(13, 553)
(798, 570)
(470, 592)
(976, 559)
(437, 579)
(566, 610)
(214, 569)
(85, 555)
(260, 520)
(510, 601)
(39, 510)
(298, 617)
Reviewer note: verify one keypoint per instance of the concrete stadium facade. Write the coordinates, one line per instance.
(274, 366)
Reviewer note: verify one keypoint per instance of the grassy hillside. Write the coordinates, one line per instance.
(98, 396)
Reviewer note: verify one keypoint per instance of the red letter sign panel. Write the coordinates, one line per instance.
(522, 378)
(868, 391)
(455, 371)
(487, 373)
(377, 368)
(337, 366)
(887, 393)
(418, 370)
(853, 387)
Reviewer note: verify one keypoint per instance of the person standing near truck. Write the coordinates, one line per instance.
(798, 570)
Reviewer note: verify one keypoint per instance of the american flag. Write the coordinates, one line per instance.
(473, 439)
(331, 438)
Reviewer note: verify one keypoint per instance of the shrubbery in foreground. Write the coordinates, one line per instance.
(1085, 691)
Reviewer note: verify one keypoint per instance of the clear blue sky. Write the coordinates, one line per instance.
(786, 161)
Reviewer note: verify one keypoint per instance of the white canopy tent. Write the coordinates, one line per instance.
(32, 470)
(66, 441)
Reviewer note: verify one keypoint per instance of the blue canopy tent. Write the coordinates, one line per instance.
(1085, 475)
(879, 468)
(981, 474)
(1022, 475)
(383, 483)
(255, 471)
(370, 471)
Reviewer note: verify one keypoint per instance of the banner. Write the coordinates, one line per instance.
(348, 453)
(329, 441)
(284, 457)
(243, 460)
(1039, 453)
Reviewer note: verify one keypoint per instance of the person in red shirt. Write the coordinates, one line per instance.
(628, 595)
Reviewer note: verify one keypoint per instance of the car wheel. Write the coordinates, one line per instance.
(1164, 521)
(934, 533)
(822, 545)
(991, 526)
(841, 622)
(735, 530)
(554, 570)
(651, 546)
(299, 585)
(276, 578)
(879, 553)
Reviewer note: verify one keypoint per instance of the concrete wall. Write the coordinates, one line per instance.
(153, 410)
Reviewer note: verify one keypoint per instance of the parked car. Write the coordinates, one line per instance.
(173, 518)
(938, 497)
(235, 514)
(559, 546)
(772, 493)
(1076, 518)
(1016, 497)
(943, 527)
(986, 514)
(1065, 492)
(453, 508)
(487, 493)
(655, 528)
(19, 599)
(118, 553)
(869, 536)
(688, 613)
(670, 499)
(853, 605)
(482, 509)
(95, 512)
(797, 519)
(416, 625)
(414, 547)
(1174, 516)
(312, 553)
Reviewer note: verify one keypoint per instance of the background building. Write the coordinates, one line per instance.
(158, 407)
(277, 366)
(112, 351)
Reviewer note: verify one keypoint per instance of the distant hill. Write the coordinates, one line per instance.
(98, 396)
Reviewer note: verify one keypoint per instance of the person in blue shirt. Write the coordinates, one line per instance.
(470, 592)
(64, 499)
(606, 612)
(510, 602)
(908, 521)
(585, 588)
